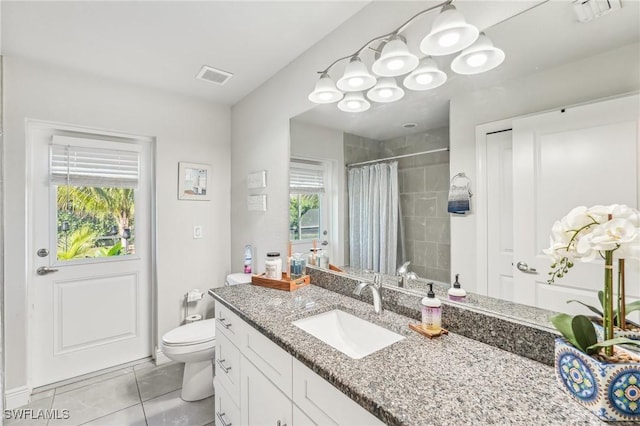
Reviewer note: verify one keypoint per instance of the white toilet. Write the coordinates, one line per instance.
(194, 344)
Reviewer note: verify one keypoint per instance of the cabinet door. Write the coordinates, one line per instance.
(323, 403)
(261, 401)
(300, 418)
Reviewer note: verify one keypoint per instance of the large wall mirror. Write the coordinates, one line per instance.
(416, 129)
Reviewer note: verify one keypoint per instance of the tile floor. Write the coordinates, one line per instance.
(142, 395)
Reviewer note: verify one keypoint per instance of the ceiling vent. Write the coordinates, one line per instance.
(588, 10)
(213, 75)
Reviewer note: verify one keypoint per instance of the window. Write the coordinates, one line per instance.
(95, 198)
(306, 191)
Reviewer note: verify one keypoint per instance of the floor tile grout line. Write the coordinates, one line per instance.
(109, 414)
(123, 372)
(144, 413)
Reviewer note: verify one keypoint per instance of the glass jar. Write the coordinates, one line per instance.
(322, 259)
(297, 265)
(311, 258)
(273, 266)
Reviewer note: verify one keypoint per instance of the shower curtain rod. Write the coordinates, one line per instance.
(362, 163)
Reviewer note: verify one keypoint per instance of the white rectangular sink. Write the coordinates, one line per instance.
(347, 333)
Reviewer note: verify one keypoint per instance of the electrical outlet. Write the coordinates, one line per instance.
(197, 231)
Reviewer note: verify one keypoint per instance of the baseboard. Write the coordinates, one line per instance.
(17, 397)
(161, 358)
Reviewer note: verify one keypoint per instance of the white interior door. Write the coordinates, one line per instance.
(584, 155)
(500, 215)
(88, 310)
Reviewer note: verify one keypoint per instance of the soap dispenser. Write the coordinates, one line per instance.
(457, 293)
(431, 311)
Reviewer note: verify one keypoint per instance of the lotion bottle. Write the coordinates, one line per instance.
(431, 311)
(457, 293)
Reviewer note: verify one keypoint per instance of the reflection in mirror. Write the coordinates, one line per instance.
(561, 43)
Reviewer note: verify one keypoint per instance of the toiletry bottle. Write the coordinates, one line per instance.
(247, 259)
(457, 293)
(431, 311)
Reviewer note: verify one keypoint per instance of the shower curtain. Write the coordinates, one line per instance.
(374, 217)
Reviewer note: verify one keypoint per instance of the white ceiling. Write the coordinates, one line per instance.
(541, 38)
(164, 44)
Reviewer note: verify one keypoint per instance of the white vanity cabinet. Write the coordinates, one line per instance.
(258, 383)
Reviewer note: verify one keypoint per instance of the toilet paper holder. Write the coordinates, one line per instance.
(190, 297)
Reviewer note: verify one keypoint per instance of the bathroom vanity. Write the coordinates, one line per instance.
(269, 371)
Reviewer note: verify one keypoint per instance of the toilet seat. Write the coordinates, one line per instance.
(195, 333)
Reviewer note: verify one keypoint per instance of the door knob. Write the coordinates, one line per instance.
(522, 266)
(43, 270)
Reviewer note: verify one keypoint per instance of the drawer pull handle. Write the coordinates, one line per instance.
(223, 322)
(279, 423)
(220, 362)
(221, 418)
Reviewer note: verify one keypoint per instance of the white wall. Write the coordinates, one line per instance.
(260, 130)
(608, 74)
(321, 143)
(185, 130)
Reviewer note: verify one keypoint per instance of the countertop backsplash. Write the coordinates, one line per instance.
(528, 338)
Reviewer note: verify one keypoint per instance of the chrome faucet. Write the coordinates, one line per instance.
(404, 274)
(375, 287)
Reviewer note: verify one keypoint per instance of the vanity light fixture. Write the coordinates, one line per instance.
(450, 33)
(481, 56)
(354, 102)
(386, 90)
(395, 58)
(325, 91)
(356, 77)
(426, 76)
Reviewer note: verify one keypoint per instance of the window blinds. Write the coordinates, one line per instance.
(306, 178)
(81, 165)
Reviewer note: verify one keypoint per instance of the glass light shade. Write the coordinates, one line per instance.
(354, 102)
(356, 77)
(385, 91)
(450, 33)
(395, 59)
(325, 91)
(480, 57)
(426, 76)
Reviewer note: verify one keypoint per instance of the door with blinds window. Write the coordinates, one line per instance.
(90, 252)
(310, 199)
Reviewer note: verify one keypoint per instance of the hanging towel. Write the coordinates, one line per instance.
(459, 194)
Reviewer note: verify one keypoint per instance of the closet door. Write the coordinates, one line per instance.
(583, 155)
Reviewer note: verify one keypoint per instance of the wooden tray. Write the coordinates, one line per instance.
(283, 284)
(334, 268)
(429, 333)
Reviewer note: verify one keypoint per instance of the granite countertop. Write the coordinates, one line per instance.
(416, 381)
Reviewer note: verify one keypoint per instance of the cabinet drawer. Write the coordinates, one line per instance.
(325, 404)
(269, 358)
(226, 411)
(229, 324)
(227, 366)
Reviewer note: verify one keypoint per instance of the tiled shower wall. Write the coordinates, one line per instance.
(424, 186)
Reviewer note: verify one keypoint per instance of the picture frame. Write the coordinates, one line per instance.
(194, 181)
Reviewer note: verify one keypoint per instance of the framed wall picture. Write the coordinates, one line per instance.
(194, 181)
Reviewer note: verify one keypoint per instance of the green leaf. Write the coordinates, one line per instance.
(591, 308)
(632, 307)
(607, 343)
(584, 332)
(601, 298)
(562, 322)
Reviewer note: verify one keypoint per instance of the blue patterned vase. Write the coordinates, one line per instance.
(611, 391)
